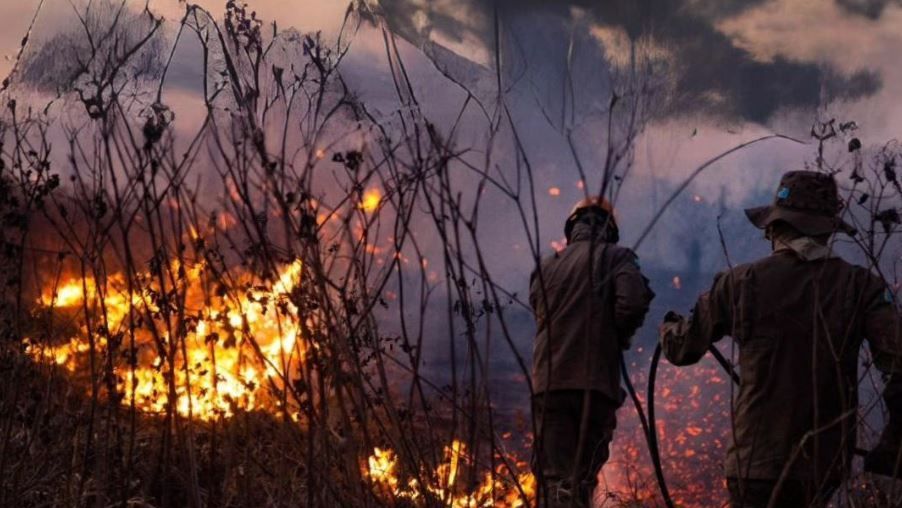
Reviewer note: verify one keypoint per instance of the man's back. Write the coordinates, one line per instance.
(588, 299)
(799, 325)
(799, 316)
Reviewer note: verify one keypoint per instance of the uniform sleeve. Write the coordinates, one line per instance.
(882, 331)
(632, 296)
(882, 327)
(686, 340)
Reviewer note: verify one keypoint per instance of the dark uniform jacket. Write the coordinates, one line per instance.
(588, 301)
(799, 322)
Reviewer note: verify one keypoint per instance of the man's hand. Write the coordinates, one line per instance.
(670, 320)
(626, 342)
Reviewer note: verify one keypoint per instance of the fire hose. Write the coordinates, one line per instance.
(648, 425)
(651, 436)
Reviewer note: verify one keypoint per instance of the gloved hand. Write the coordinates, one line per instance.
(671, 319)
(626, 342)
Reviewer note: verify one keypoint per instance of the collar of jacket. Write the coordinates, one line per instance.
(805, 247)
(582, 232)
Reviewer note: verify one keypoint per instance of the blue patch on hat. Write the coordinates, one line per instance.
(783, 193)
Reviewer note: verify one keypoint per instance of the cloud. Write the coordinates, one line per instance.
(709, 70)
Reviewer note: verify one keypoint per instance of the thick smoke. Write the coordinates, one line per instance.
(709, 72)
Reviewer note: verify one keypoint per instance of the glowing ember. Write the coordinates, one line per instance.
(371, 200)
(238, 344)
(444, 486)
(554, 191)
(693, 424)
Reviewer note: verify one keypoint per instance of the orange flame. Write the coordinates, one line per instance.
(499, 489)
(371, 200)
(236, 348)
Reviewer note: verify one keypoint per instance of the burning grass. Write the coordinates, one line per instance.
(446, 484)
(239, 346)
(236, 351)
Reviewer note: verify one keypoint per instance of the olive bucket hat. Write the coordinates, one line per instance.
(808, 201)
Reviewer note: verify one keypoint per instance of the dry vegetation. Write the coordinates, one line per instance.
(196, 318)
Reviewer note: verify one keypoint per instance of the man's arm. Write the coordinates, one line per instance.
(632, 296)
(882, 330)
(685, 341)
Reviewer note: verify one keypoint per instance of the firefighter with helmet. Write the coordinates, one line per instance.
(588, 300)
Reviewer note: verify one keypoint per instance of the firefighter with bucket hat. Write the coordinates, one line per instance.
(799, 317)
